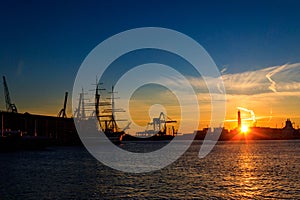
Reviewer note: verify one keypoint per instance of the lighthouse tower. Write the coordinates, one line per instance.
(239, 120)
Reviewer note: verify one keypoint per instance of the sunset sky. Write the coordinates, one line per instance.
(255, 45)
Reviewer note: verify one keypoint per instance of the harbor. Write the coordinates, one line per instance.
(149, 100)
(31, 131)
(22, 131)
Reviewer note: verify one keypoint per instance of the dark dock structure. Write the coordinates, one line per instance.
(60, 130)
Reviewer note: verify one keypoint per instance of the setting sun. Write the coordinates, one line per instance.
(244, 129)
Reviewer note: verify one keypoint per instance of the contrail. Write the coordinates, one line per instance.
(249, 111)
(223, 70)
(270, 74)
(270, 118)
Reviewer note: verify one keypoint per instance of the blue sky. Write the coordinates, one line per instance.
(43, 43)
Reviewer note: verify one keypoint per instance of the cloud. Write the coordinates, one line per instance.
(272, 92)
(224, 70)
(270, 74)
(276, 79)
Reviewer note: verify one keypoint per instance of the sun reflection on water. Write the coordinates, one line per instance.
(247, 173)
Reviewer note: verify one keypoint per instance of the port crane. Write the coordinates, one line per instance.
(10, 107)
(62, 112)
(160, 124)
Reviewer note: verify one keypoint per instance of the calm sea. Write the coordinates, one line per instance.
(256, 169)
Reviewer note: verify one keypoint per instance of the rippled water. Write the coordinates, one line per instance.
(257, 169)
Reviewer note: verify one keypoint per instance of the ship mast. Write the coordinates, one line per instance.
(97, 103)
(113, 123)
(106, 117)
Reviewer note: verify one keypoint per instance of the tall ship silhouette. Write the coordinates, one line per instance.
(105, 112)
(107, 118)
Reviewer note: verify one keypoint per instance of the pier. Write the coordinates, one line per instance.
(62, 131)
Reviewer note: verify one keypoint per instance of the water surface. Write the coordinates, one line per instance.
(255, 169)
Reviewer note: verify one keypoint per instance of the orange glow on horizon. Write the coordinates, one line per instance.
(245, 129)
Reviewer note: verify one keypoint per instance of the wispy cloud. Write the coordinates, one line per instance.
(224, 70)
(270, 74)
(277, 79)
(272, 93)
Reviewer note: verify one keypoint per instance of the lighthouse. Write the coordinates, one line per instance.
(239, 120)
